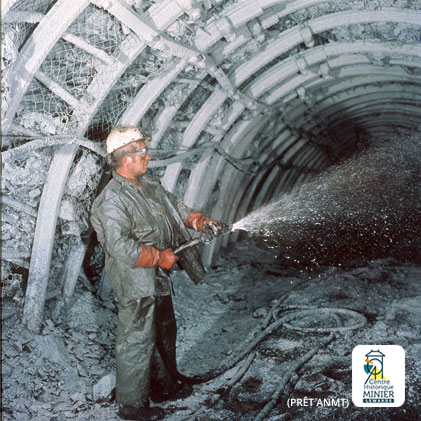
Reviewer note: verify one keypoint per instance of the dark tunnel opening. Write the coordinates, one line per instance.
(364, 207)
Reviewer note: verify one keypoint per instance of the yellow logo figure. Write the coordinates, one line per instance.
(375, 373)
(374, 365)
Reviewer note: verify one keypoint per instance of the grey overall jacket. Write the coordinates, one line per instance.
(125, 215)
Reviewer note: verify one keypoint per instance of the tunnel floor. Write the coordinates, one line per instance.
(66, 372)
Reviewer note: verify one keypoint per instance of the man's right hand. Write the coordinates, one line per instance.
(167, 258)
(150, 257)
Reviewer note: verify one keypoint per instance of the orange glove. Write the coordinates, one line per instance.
(195, 221)
(150, 256)
(200, 223)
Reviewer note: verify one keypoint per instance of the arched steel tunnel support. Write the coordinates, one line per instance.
(314, 94)
(60, 167)
(334, 49)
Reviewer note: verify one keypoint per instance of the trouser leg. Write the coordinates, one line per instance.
(162, 381)
(134, 350)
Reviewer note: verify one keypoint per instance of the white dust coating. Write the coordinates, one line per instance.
(371, 200)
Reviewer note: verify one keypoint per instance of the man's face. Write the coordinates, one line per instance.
(138, 162)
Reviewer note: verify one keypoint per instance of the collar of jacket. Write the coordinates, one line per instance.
(126, 183)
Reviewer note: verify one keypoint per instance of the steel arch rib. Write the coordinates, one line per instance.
(192, 132)
(165, 116)
(239, 15)
(292, 37)
(407, 115)
(352, 104)
(313, 84)
(6, 5)
(350, 98)
(377, 125)
(394, 75)
(54, 24)
(229, 183)
(356, 96)
(260, 196)
(195, 195)
(148, 94)
(336, 56)
(56, 180)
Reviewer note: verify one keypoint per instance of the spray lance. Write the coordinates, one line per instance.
(215, 230)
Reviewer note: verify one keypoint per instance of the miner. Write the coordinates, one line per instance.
(133, 225)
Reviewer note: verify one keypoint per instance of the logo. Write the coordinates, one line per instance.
(378, 375)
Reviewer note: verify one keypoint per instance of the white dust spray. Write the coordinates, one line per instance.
(363, 208)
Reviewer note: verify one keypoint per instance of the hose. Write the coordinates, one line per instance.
(316, 312)
(287, 375)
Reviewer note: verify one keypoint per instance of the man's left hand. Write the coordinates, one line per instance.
(200, 223)
(213, 226)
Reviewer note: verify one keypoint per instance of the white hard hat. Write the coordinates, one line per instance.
(124, 135)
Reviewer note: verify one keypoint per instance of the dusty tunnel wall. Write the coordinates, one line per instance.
(246, 100)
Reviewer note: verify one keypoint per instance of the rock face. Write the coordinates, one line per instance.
(68, 371)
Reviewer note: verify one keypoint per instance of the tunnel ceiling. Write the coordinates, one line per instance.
(250, 97)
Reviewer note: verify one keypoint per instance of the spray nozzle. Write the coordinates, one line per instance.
(217, 230)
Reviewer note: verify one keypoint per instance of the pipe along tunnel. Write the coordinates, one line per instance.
(297, 121)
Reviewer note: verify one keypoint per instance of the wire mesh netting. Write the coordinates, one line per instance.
(42, 111)
(145, 67)
(70, 67)
(22, 184)
(22, 178)
(14, 36)
(39, 6)
(99, 29)
(119, 97)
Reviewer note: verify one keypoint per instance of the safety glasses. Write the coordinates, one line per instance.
(143, 152)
